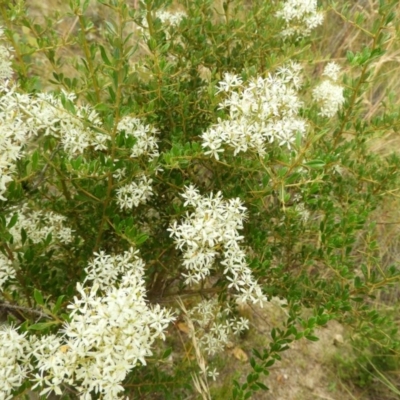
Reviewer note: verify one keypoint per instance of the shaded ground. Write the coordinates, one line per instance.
(306, 371)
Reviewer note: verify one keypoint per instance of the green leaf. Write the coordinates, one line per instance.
(350, 56)
(35, 160)
(23, 236)
(152, 43)
(40, 326)
(13, 221)
(140, 239)
(104, 55)
(315, 164)
(29, 254)
(299, 335)
(48, 239)
(257, 354)
(312, 338)
(269, 363)
(167, 353)
(322, 319)
(58, 304)
(111, 29)
(364, 270)
(68, 104)
(262, 386)
(38, 297)
(357, 282)
(66, 317)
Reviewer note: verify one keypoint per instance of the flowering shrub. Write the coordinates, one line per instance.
(106, 336)
(265, 112)
(170, 168)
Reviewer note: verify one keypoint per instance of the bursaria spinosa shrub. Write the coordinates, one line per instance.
(165, 166)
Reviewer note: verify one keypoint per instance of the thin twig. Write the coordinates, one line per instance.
(10, 306)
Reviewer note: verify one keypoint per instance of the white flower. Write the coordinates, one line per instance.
(46, 113)
(105, 270)
(240, 325)
(332, 71)
(212, 230)
(112, 328)
(191, 195)
(229, 82)
(213, 325)
(301, 17)
(145, 135)
(133, 194)
(330, 96)
(14, 134)
(303, 212)
(23, 116)
(14, 363)
(291, 73)
(167, 18)
(7, 271)
(38, 225)
(5, 60)
(262, 112)
(212, 141)
(213, 374)
(119, 173)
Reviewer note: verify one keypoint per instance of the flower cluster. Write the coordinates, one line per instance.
(14, 362)
(214, 326)
(111, 329)
(301, 17)
(7, 271)
(213, 228)
(146, 143)
(38, 225)
(169, 18)
(328, 93)
(131, 195)
(14, 135)
(105, 270)
(5, 60)
(46, 114)
(75, 130)
(303, 212)
(22, 117)
(166, 17)
(263, 111)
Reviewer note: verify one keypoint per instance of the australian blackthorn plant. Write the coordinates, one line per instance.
(162, 165)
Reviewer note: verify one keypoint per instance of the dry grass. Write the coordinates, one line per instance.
(387, 217)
